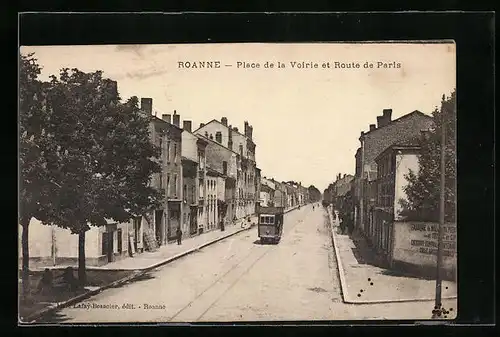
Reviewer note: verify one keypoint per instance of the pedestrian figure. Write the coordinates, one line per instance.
(179, 235)
(45, 284)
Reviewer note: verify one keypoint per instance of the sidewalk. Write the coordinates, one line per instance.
(365, 280)
(169, 252)
(144, 262)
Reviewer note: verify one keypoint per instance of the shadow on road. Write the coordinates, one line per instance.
(143, 277)
(54, 317)
(259, 242)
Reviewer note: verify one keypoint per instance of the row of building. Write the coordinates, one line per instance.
(209, 178)
(282, 194)
(370, 201)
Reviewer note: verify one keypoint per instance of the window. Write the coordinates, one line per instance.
(168, 152)
(224, 167)
(266, 219)
(175, 185)
(161, 144)
(218, 137)
(175, 152)
(161, 180)
(241, 150)
(168, 184)
(184, 192)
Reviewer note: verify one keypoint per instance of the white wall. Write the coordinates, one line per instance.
(416, 243)
(404, 162)
(189, 148)
(212, 128)
(66, 244)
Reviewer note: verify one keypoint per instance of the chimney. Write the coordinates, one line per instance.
(211, 136)
(380, 121)
(250, 132)
(202, 125)
(230, 140)
(246, 129)
(387, 114)
(147, 105)
(186, 125)
(176, 119)
(223, 120)
(344, 175)
(235, 129)
(372, 127)
(166, 118)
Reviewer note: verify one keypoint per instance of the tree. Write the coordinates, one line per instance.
(104, 156)
(35, 182)
(314, 193)
(423, 188)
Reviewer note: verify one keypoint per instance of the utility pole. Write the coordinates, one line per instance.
(438, 304)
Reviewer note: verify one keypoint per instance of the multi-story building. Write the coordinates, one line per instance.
(169, 132)
(267, 191)
(372, 143)
(280, 194)
(244, 147)
(393, 164)
(212, 209)
(193, 149)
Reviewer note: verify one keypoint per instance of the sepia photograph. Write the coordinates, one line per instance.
(237, 182)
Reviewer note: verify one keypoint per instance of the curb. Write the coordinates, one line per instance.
(33, 317)
(343, 282)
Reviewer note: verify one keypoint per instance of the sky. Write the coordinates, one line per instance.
(306, 121)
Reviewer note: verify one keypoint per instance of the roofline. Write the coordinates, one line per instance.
(227, 126)
(414, 112)
(392, 148)
(156, 119)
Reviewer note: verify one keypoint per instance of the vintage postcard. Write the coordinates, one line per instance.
(246, 182)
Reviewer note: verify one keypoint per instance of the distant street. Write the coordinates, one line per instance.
(239, 279)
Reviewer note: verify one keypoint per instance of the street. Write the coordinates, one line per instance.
(238, 279)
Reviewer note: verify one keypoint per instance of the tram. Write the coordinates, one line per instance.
(270, 224)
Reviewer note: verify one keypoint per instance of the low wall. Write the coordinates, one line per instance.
(414, 247)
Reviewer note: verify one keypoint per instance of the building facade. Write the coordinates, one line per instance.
(242, 144)
(372, 143)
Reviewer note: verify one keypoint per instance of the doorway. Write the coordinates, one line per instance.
(107, 246)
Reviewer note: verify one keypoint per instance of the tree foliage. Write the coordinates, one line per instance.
(35, 182)
(314, 194)
(423, 188)
(93, 157)
(105, 157)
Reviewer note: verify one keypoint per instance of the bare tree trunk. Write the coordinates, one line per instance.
(26, 258)
(82, 274)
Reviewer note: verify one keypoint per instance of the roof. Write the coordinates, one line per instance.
(409, 144)
(215, 120)
(159, 121)
(413, 113)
